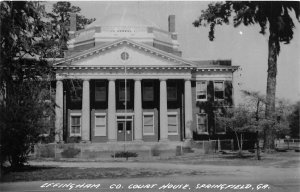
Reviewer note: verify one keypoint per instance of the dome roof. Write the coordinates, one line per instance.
(122, 20)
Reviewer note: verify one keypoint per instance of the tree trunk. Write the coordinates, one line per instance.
(257, 147)
(271, 89)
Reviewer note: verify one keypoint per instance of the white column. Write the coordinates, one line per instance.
(163, 110)
(188, 110)
(112, 132)
(138, 110)
(85, 115)
(59, 100)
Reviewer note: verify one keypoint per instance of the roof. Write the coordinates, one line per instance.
(122, 20)
(100, 48)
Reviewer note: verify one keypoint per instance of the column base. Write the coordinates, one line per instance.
(138, 140)
(112, 141)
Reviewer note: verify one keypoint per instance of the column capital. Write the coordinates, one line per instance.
(59, 78)
(187, 79)
(137, 79)
(111, 79)
(86, 79)
(163, 79)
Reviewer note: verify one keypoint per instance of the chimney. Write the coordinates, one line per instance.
(72, 22)
(171, 20)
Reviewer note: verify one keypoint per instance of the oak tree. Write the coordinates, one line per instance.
(272, 15)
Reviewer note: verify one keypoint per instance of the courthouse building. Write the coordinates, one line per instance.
(124, 79)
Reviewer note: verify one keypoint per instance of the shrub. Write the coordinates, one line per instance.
(47, 151)
(155, 151)
(125, 154)
(70, 152)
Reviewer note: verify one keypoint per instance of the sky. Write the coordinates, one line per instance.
(245, 46)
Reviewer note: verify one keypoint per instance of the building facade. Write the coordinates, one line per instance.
(124, 79)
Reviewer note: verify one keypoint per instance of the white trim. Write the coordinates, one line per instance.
(206, 132)
(124, 114)
(76, 114)
(215, 99)
(197, 90)
(144, 74)
(173, 113)
(105, 125)
(148, 113)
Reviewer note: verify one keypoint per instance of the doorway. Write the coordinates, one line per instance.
(124, 128)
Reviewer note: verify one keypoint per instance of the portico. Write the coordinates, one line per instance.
(146, 85)
(135, 116)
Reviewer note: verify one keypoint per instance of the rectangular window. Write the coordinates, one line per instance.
(76, 91)
(202, 123)
(148, 123)
(201, 90)
(75, 124)
(219, 90)
(172, 123)
(122, 91)
(172, 91)
(148, 91)
(100, 91)
(100, 124)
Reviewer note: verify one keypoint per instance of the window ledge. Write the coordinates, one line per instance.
(149, 134)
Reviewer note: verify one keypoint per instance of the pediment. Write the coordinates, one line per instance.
(124, 52)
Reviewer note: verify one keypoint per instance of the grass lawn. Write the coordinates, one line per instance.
(288, 159)
(32, 173)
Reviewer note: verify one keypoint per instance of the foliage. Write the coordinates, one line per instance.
(60, 20)
(256, 102)
(70, 152)
(273, 15)
(237, 120)
(155, 151)
(125, 154)
(20, 120)
(47, 151)
(21, 70)
(293, 119)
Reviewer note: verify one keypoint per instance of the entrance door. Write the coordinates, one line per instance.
(124, 130)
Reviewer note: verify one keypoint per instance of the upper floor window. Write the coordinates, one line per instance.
(148, 91)
(202, 127)
(76, 91)
(172, 91)
(219, 90)
(201, 90)
(100, 91)
(122, 91)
